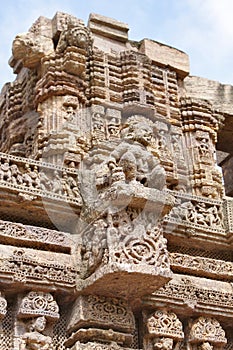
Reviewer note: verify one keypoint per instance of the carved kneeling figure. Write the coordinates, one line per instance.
(34, 339)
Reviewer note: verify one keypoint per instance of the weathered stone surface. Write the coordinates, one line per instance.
(115, 231)
(166, 56)
(220, 95)
(107, 27)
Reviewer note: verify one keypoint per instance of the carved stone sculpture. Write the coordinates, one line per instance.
(34, 339)
(116, 230)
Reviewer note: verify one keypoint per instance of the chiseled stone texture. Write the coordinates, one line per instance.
(115, 230)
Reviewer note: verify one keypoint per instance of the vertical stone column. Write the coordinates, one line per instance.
(200, 125)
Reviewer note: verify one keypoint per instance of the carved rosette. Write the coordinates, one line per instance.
(3, 306)
(39, 304)
(206, 329)
(165, 324)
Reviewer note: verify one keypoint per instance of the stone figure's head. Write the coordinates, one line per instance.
(206, 346)
(163, 343)
(38, 324)
(77, 36)
(140, 130)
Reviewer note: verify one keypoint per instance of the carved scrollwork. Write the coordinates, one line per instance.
(166, 324)
(150, 248)
(207, 329)
(39, 304)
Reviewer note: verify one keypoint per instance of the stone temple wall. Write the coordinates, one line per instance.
(116, 228)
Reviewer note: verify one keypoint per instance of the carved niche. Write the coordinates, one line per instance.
(36, 315)
(164, 331)
(206, 333)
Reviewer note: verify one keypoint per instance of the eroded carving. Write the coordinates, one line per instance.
(207, 332)
(164, 331)
(34, 339)
(40, 304)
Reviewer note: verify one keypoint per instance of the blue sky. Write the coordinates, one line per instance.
(201, 28)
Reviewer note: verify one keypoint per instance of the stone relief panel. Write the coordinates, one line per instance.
(22, 267)
(195, 293)
(197, 211)
(31, 179)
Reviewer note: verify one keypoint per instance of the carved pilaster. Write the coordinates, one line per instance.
(200, 124)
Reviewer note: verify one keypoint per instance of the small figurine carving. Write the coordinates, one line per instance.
(137, 163)
(163, 344)
(35, 339)
(5, 172)
(206, 346)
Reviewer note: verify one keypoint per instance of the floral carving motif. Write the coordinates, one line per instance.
(150, 248)
(111, 309)
(206, 329)
(165, 323)
(39, 303)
